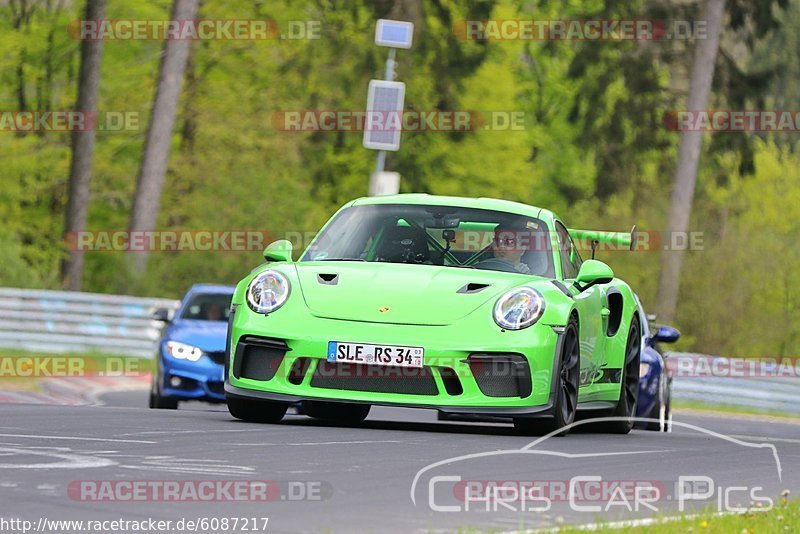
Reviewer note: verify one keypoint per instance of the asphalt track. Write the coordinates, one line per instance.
(359, 479)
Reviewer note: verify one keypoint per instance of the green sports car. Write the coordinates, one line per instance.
(466, 306)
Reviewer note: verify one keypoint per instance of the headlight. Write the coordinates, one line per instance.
(519, 308)
(644, 368)
(182, 351)
(267, 292)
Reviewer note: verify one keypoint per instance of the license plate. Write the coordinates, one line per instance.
(388, 355)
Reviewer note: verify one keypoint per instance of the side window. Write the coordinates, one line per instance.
(570, 259)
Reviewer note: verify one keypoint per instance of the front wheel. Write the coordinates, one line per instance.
(661, 409)
(158, 402)
(566, 391)
(336, 411)
(256, 411)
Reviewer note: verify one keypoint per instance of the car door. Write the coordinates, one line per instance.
(589, 304)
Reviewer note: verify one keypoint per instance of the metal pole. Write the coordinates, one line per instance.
(388, 75)
(381, 162)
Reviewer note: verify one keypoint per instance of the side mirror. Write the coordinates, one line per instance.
(161, 314)
(593, 272)
(666, 334)
(280, 250)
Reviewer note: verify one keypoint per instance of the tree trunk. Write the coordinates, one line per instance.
(157, 142)
(705, 57)
(82, 148)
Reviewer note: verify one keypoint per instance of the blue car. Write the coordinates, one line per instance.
(191, 355)
(655, 383)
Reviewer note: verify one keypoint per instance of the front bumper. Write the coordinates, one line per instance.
(449, 351)
(201, 380)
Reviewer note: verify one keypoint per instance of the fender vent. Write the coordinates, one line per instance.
(473, 288)
(328, 279)
(615, 313)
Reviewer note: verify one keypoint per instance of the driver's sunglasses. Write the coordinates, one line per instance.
(505, 241)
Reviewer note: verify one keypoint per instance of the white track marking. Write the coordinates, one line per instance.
(67, 460)
(77, 438)
(191, 432)
(766, 438)
(345, 442)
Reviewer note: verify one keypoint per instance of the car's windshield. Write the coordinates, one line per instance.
(437, 235)
(207, 307)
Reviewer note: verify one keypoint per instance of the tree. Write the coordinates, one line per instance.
(83, 148)
(150, 180)
(705, 58)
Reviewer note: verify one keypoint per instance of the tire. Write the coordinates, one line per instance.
(655, 412)
(566, 391)
(157, 402)
(256, 411)
(668, 409)
(336, 411)
(625, 410)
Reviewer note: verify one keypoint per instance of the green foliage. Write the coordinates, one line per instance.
(593, 147)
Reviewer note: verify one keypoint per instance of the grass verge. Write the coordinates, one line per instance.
(782, 518)
(22, 370)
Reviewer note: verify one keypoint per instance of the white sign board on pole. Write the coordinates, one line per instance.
(394, 33)
(383, 122)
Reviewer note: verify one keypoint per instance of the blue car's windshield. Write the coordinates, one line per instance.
(207, 307)
(437, 235)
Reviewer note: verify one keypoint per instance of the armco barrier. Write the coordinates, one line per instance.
(776, 393)
(63, 321)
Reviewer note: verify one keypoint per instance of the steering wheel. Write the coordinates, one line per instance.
(493, 264)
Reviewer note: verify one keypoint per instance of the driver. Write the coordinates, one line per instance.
(509, 244)
(214, 312)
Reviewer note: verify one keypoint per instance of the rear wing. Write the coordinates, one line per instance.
(595, 237)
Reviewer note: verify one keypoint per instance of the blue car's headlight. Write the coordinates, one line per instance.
(644, 368)
(519, 308)
(182, 351)
(267, 292)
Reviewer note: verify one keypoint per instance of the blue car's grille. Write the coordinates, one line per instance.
(217, 357)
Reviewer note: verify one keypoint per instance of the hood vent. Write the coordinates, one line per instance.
(328, 279)
(473, 288)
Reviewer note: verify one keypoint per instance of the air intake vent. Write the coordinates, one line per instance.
(258, 358)
(501, 375)
(375, 379)
(473, 288)
(328, 279)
